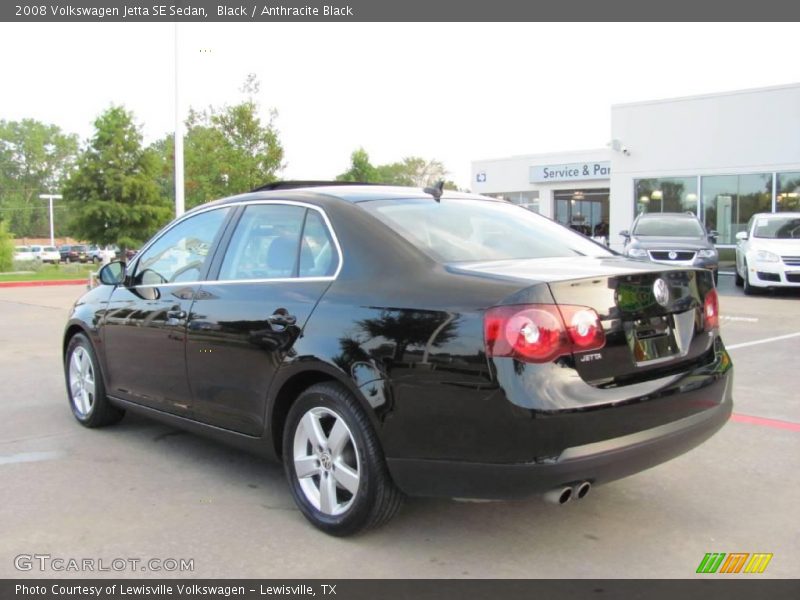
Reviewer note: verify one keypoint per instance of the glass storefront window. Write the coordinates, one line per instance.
(584, 210)
(529, 199)
(730, 200)
(788, 193)
(666, 194)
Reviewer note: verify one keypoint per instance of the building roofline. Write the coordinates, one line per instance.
(543, 155)
(772, 88)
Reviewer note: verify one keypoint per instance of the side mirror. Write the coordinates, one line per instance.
(625, 233)
(741, 236)
(113, 273)
(713, 235)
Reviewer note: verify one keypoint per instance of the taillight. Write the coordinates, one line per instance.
(711, 310)
(541, 332)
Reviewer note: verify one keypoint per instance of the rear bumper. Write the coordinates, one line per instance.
(598, 462)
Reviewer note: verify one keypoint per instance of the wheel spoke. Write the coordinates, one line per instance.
(75, 364)
(305, 466)
(327, 494)
(314, 431)
(346, 477)
(84, 402)
(338, 438)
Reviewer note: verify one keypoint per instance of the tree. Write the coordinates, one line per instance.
(113, 193)
(34, 158)
(360, 169)
(6, 249)
(412, 171)
(226, 150)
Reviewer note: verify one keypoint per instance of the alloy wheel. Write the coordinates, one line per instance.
(326, 461)
(82, 381)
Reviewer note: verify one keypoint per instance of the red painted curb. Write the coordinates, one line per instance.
(776, 423)
(84, 281)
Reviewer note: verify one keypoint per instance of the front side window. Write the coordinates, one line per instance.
(266, 244)
(180, 254)
(469, 230)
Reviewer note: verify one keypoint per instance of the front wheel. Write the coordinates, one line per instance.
(85, 387)
(749, 290)
(334, 464)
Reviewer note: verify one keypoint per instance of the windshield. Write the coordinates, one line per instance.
(669, 227)
(472, 230)
(777, 228)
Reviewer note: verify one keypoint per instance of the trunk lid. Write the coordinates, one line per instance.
(652, 315)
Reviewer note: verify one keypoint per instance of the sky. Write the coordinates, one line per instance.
(451, 92)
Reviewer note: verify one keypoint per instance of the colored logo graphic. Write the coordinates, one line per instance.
(735, 562)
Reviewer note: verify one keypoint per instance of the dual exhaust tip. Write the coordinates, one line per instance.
(562, 495)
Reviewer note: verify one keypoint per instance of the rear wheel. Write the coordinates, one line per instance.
(334, 464)
(85, 387)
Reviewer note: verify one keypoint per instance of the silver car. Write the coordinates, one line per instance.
(672, 239)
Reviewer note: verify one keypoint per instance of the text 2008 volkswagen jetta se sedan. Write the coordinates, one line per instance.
(382, 341)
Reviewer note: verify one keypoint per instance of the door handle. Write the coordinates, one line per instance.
(176, 314)
(282, 318)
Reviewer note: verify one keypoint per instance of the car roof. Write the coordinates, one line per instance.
(348, 192)
(685, 215)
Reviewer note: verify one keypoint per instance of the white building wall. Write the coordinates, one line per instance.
(512, 174)
(750, 131)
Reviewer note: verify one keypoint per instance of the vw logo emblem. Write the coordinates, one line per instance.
(661, 291)
(672, 255)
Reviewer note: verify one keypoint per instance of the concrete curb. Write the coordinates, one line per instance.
(11, 284)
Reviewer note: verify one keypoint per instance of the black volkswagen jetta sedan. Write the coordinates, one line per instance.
(383, 341)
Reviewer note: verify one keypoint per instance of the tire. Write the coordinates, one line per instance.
(738, 279)
(749, 290)
(85, 388)
(716, 278)
(346, 487)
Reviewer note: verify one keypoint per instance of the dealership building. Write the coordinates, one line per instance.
(721, 156)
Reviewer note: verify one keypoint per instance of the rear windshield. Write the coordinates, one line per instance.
(473, 230)
(669, 227)
(780, 228)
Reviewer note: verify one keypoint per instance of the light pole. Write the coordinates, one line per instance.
(51, 197)
(179, 199)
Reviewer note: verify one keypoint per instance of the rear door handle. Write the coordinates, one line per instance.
(176, 314)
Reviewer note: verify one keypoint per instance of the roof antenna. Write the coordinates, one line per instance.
(435, 190)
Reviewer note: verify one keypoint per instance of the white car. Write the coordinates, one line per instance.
(24, 254)
(101, 254)
(768, 252)
(47, 254)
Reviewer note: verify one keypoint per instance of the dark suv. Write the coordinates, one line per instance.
(74, 253)
(672, 239)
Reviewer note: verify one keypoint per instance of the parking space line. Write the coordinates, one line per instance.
(776, 423)
(764, 341)
(26, 457)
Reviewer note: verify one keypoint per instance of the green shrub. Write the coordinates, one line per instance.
(6, 248)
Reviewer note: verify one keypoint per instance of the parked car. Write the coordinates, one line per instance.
(384, 341)
(768, 252)
(98, 254)
(672, 239)
(24, 254)
(74, 253)
(46, 254)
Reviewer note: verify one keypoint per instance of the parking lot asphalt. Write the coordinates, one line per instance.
(143, 490)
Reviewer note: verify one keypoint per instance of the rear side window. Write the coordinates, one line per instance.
(181, 252)
(264, 244)
(473, 230)
(318, 256)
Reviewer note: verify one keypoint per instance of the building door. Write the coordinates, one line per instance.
(585, 210)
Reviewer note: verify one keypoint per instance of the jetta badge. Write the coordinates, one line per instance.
(661, 291)
(672, 255)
